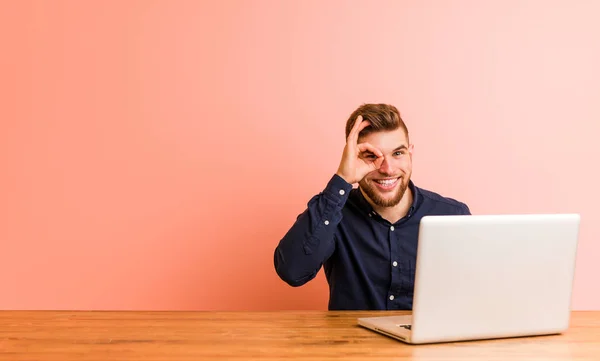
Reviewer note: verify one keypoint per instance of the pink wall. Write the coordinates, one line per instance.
(153, 153)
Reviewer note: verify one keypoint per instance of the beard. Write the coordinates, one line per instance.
(390, 199)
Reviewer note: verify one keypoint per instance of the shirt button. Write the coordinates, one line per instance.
(392, 228)
(394, 263)
(326, 223)
(391, 297)
(342, 192)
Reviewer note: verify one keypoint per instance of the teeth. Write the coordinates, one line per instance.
(387, 182)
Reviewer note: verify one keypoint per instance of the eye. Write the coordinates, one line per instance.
(398, 153)
(369, 156)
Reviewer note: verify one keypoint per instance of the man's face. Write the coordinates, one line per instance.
(387, 185)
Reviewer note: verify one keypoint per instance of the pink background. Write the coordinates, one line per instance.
(154, 152)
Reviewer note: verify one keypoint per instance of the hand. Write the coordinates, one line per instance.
(354, 166)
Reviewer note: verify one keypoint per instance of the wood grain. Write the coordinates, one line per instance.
(307, 335)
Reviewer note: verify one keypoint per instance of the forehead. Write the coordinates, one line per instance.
(386, 140)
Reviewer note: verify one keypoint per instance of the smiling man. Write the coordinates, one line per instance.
(365, 238)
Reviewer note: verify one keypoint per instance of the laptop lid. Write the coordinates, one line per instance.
(489, 276)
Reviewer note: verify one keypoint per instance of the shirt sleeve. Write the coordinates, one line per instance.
(310, 241)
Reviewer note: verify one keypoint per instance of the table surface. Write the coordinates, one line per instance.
(305, 335)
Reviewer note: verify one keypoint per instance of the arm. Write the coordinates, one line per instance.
(310, 241)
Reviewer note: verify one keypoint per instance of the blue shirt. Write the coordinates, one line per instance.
(369, 262)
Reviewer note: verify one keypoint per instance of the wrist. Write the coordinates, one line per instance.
(345, 178)
(338, 189)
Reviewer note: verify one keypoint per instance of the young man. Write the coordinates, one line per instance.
(365, 238)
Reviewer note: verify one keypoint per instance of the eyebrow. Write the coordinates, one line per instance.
(402, 147)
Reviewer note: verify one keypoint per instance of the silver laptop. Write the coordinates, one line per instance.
(488, 276)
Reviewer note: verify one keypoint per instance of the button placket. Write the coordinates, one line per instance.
(391, 297)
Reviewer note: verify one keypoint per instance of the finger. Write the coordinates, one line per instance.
(354, 136)
(354, 130)
(377, 163)
(367, 147)
(362, 125)
(358, 120)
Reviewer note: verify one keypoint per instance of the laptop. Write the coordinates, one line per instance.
(488, 276)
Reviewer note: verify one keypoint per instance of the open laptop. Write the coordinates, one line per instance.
(488, 276)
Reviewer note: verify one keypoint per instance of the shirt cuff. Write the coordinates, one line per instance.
(338, 189)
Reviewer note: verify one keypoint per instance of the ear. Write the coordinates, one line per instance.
(411, 149)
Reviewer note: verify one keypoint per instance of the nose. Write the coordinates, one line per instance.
(386, 166)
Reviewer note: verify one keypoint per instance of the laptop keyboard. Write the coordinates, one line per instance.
(408, 327)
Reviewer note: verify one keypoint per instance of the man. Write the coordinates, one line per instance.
(365, 238)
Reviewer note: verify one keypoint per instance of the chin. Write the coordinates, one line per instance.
(387, 201)
(387, 198)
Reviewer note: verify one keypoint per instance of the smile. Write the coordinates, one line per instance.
(387, 183)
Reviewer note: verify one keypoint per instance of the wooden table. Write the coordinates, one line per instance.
(46, 335)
